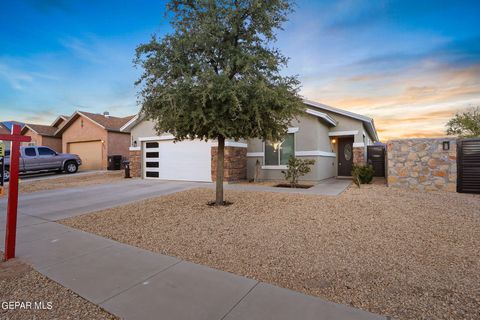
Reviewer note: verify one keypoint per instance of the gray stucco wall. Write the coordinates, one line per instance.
(312, 135)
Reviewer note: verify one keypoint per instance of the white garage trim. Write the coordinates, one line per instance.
(155, 138)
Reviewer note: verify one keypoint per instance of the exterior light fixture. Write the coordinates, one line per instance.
(334, 140)
(446, 145)
(135, 143)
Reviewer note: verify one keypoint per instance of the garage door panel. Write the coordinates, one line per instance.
(186, 160)
(90, 153)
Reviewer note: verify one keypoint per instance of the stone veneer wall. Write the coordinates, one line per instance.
(359, 155)
(135, 163)
(235, 164)
(422, 164)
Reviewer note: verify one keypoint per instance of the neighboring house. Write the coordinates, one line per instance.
(335, 138)
(43, 135)
(5, 128)
(94, 137)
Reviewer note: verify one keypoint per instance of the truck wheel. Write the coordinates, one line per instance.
(71, 167)
(6, 174)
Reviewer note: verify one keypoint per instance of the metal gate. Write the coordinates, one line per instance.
(468, 165)
(376, 158)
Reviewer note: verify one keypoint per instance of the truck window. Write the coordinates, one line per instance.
(30, 152)
(42, 151)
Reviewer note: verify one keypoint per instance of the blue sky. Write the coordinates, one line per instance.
(409, 64)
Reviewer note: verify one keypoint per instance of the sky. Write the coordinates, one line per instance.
(410, 65)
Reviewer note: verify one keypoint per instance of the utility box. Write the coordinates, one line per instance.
(114, 162)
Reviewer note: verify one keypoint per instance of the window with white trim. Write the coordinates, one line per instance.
(277, 153)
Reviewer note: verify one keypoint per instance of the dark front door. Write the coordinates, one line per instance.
(345, 156)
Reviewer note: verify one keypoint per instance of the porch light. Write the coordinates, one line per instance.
(135, 143)
(334, 140)
(446, 145)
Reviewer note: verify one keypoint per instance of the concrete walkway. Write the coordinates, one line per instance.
(133, 283)
(327, 187)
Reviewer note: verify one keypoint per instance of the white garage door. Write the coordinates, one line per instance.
(185, 160)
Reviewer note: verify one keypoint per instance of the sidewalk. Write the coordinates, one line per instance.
(133, 283)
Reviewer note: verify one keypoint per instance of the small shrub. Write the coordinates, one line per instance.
(297, 168)
(362, 174)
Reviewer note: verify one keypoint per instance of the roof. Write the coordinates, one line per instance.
(4, 129)
(109, 123)
(367, 121)
(59, 120)
(40, 129)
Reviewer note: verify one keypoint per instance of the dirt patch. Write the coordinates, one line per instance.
(405, 254)
(69, 181)
(20, 283)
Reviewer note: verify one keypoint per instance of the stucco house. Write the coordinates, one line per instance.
(335, 138)
(44, 135)
(94, 137)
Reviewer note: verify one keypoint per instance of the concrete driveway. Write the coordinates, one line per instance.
(63, 203)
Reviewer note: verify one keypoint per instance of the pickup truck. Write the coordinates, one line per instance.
(38, 158)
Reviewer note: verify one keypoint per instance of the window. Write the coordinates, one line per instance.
(46, 152)
(7, 153)
(150, 145)
(30, 152)
(152, 154)
(277, 153)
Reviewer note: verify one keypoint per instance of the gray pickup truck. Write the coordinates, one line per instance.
(43, 159)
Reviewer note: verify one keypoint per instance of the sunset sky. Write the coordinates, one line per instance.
(408, 64)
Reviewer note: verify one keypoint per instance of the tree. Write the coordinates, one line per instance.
(297, 168)
(465, 124)
(217, 76)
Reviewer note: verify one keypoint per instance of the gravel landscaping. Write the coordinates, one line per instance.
(19, 282)
(404, 254)
(69, 181)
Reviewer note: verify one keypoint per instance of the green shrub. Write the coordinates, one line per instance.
(362, 174)
(297, 168)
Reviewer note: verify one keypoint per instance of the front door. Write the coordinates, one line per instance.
(345, 156)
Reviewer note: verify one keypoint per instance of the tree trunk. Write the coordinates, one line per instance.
(220, 165)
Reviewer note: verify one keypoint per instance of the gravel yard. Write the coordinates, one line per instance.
(405, 254)
(19, 282)
(69, 181)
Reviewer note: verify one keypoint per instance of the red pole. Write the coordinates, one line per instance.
(10, 235)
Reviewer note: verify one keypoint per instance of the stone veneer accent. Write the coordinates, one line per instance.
(422, 164)
(359, 155)
(235, 164)
(135, 163)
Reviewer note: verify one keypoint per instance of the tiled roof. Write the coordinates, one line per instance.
(108, 122)
(42, 129)
(3, 129)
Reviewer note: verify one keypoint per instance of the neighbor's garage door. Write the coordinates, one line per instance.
(468, 165)
(186, 160)
(90, 152)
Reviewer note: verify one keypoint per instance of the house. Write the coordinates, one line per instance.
(335, 138)
(94, 137)
(5, 128)
(43, 135)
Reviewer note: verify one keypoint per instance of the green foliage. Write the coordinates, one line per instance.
(465, 124)
(297, 168)
(218, 74)
(362, 174)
